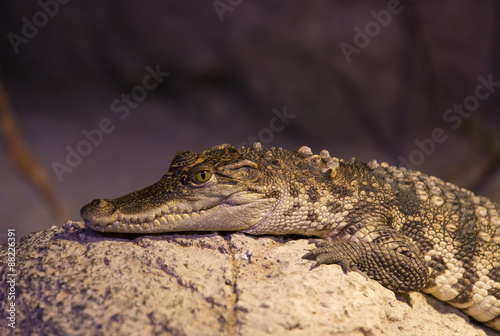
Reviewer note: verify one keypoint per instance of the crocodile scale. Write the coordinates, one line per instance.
(405, 229)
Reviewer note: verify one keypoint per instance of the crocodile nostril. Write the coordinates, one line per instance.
(98, 207)
(99, 203)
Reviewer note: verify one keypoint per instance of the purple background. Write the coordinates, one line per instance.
(226, 77)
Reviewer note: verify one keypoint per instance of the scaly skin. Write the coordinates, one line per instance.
(406, 230)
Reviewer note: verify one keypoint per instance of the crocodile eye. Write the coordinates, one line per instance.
(202, 176)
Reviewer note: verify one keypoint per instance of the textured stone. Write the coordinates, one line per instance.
(78, 282)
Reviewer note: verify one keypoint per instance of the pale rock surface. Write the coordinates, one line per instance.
(72, 281)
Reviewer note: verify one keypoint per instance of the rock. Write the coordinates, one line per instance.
(73, 281)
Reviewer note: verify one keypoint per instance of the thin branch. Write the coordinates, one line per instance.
(25, 161)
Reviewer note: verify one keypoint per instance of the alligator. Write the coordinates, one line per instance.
(405, 229)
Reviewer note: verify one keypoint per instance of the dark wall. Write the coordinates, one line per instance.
(371, 79)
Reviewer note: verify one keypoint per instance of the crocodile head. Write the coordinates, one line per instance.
(217, 190)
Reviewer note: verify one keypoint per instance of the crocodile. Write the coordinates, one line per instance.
(404, 229)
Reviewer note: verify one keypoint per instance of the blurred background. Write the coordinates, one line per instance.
(103, 93)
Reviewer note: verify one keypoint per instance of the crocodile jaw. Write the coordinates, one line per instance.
(239, 211)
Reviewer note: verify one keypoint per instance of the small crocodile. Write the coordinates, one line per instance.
(405, 229)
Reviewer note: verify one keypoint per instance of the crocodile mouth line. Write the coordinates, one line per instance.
(149, 221)
(157, 220)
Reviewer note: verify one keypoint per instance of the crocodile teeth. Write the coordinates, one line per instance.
(170, 218)
(162, 220)
(145, 218)
(156, 223)
(165, 211)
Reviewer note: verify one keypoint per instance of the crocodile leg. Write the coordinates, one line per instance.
(395, 267)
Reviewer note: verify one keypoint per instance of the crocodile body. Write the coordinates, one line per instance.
(405, 229)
